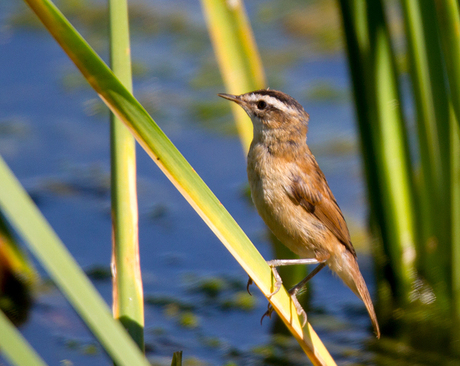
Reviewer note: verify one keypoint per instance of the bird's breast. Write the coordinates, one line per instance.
(268, 176)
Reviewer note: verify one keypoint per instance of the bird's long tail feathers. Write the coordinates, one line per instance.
(348, 271)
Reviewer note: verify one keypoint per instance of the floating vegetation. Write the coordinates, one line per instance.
(89, 179)
(189, 320)
(212, 287)
(14, 126)
(239, 301)
(326, 91)
(82, 346)
(317, 21)
(99, 273)
(172, 302)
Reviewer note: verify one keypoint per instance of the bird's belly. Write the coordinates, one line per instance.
(297, 229)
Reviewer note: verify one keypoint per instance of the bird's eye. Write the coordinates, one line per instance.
(261, 104)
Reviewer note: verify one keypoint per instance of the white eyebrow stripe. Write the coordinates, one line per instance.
(270, 100)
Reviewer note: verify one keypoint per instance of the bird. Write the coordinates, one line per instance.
(291, 194)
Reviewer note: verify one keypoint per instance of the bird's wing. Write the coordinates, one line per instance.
(320, 203)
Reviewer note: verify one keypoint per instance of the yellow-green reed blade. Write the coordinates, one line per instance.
(25, 217)
(237, 55)
(15, 347)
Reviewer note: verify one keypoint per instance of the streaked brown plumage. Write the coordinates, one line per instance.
(291, 193)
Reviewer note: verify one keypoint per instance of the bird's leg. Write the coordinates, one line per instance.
(286, 262)
(293, 293)
(278, 263)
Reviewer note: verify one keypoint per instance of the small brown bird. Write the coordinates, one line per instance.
(292, 195)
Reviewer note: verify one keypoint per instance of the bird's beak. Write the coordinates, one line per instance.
(233, 98)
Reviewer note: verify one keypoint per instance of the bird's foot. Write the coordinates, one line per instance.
(277, 284)
(278, 280)
(299, 309)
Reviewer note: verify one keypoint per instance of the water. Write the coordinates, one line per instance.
(55, 138)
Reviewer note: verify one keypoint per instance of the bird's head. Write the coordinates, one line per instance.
(272, 110)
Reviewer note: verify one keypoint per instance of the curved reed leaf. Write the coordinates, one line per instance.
(15, 347)
(448, 12)
(383, 137)
(24, 215)
(432, 107)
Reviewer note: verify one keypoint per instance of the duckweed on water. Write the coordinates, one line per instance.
(214, 116)
(336, 147)
(158, 211)
(207, 76)
(325, 91)
(90, 349)
(14, 127)
(171, 310)
(99, 273)
(189, 320)
(212, 342)
(211, 287)
(72, 344)
(209, 110)
(165, 301)
(214, 287)
(193, 361)
(240, 301)
(282, 350)
(318, 21)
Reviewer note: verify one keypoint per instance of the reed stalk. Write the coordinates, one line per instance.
(128, 297)
(455, 229)
(237, 55)
(419, 222)
(384, 144)
(448, 13)
(430, 92)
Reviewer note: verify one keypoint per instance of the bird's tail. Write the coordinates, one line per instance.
(348, 271)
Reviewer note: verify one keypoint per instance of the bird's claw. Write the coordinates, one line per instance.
(292, 292)
(267, 313)
(250, 282)
(277, 285)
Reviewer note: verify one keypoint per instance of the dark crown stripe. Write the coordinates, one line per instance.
(282, 97)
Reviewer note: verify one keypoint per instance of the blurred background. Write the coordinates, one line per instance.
(54, 134)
